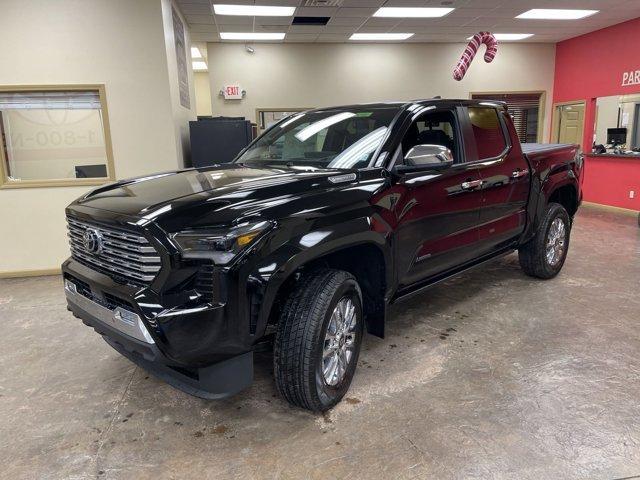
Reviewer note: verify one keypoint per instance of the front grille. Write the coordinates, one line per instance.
(127, 257)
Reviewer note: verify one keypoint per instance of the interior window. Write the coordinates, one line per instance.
(53, 136)
(433, 128)
(487, 131)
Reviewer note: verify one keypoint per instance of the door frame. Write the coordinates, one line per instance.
(555, 123)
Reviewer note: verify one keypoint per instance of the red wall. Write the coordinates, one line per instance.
(592, 66)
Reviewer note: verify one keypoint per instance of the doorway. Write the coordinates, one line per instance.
(568, 122)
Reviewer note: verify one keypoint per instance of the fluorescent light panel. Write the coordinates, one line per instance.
(310, 130)
(412, 12)
(195, 52)
(380, 36)
(251, 36)
(510, 36)
(556, 14)
(199, 65)
(253, 10)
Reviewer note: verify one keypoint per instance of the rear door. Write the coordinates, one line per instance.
(437, 212)
(504, 172)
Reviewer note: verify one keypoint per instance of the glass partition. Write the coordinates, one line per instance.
(54, 136)
(617, 128)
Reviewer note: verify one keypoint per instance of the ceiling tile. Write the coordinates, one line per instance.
(195, 19)
(306, 28)
(362, 3)
(300, 38)
(352, 21)
(382, 22)
(332, 38)
(276, 3)
(355, 12)
(233, 20)
(273, 20)
(339, 29)
(203, 28)
(316, 11)
(194, 9)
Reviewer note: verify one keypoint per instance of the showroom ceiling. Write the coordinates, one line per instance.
(356, 16)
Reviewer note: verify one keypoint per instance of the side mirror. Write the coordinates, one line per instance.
(426, 157)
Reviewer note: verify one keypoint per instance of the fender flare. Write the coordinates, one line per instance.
(291, 257)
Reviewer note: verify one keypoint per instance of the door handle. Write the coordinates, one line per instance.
(468, 185)
(520, 173)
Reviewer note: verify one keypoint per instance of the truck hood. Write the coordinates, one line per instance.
(214, 195)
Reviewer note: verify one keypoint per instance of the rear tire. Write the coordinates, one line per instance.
(315, 352)
(543, 256)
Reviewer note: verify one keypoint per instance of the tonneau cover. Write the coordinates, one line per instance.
(528, 148)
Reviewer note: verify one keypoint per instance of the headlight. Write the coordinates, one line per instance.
(220, 245)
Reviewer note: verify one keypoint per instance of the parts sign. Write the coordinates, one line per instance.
(631, 77)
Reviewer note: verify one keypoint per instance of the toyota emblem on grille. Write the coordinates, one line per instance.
(92, 241)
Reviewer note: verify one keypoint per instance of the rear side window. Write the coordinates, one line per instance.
(487, 131)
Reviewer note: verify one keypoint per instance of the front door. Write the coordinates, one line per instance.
(437, 212)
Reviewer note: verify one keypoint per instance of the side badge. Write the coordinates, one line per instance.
(348, 177)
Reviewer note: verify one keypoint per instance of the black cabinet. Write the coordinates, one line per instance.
(218, 140)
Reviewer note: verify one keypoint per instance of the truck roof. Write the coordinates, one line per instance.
(406, 104)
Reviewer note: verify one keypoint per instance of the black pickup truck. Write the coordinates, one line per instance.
(305, 239)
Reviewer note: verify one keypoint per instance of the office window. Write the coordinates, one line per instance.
(487, 131)
(525, 109)
(54, 136)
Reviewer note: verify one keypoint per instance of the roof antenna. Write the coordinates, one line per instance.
(437, 97)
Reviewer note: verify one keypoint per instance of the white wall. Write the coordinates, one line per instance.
(180, 114)
(203, 93)
(120, 43)
(317, 75)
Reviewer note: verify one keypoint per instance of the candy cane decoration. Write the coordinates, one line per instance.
(472, 48)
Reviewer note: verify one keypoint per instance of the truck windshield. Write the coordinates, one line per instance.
(342, 139)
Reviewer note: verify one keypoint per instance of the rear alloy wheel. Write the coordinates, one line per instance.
(543, 256)
(318, 339)
(556, 239)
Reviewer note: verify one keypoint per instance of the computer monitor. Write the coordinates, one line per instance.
(616, 136)
(91, 171)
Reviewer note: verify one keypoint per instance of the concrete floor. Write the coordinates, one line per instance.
(490, 375)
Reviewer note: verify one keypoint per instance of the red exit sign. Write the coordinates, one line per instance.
(232, 92)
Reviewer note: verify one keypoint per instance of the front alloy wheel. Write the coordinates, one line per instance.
(318, 339)
(339, 342)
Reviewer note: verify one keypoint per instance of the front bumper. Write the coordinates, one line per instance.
(128, 331)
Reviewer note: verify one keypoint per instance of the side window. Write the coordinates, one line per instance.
(487, 131)
(433, 128)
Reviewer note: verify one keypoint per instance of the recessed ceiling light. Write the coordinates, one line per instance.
(251, 36)
(199, 65)
(195, 52)
(556, 14)
(412, 12)
(380, 36)
(510, 36)
(254, 10)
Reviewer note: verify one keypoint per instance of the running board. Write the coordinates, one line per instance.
(412, 290)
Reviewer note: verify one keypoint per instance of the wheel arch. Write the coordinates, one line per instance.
(366, 257)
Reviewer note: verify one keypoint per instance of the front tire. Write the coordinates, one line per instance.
(543, 256)
(318, 340)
